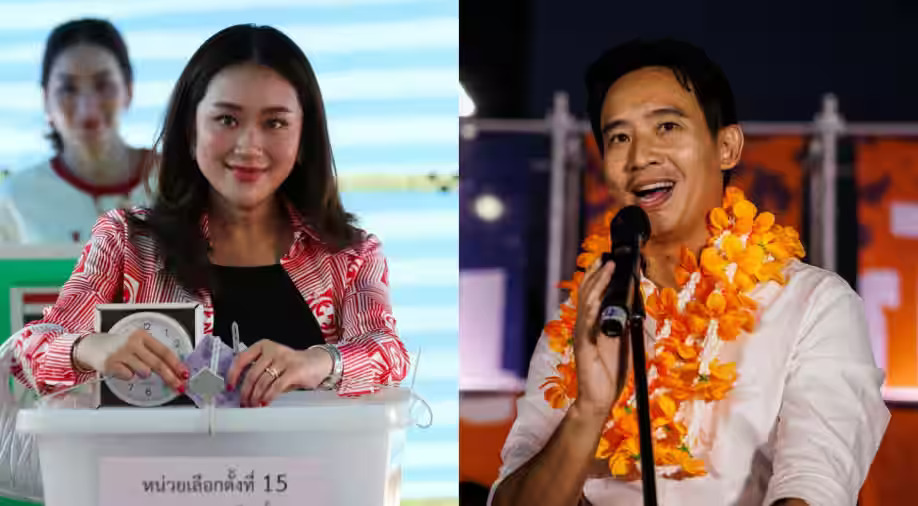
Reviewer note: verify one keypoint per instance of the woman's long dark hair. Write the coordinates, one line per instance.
(183, 192)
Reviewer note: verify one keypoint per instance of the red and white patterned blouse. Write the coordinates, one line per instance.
(348, 293)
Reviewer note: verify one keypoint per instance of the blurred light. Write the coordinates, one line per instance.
(488, 207)
(466, 105)
(468, 131)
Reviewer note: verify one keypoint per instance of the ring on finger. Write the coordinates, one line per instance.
(273, 372)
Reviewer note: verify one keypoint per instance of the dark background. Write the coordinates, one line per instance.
(780, 57)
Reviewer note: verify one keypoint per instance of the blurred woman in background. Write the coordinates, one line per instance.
(87, 84)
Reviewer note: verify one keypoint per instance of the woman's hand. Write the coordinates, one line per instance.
(125, 355)
(276, 369)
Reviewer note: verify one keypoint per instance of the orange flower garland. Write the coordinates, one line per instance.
(745, 249)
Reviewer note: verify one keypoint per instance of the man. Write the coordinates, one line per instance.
(805, 417)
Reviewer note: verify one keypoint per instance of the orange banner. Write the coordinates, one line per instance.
(887, 179)
(887, 175)
(771, 174)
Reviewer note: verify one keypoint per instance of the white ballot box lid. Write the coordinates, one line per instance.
(41, 251)
(302, 411)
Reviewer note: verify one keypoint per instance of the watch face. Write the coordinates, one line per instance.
(152, 391)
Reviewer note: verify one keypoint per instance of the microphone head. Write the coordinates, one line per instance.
(630, 224)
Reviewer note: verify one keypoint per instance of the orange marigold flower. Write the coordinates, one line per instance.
(685, 350)
(718, 221)
(728, 309)
(562, 388)
(559, 334)
(621, 466)
(743, 216)
(732, 195)
(771, 244)
(736, 301)
(662, 306)
(714, 265)
(725, 372)
(664, 361)
(694, 467)
(772, 271)
(666, 456)
(730, 324)
(716, 303)
(573, 288)
(687, 265)
(763, 222)
(662, 410)
(715, 386)
(606, 447)
(622, 461)
(747, 260)
(627, 421)
(679, 455)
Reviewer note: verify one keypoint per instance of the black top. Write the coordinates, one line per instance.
(266, 304)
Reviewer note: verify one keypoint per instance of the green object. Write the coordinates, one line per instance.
(10, 502)
(28, 272)
(22, 273)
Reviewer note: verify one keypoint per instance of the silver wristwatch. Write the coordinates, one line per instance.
(331, 381)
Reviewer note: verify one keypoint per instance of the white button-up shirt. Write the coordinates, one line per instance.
(804, 419)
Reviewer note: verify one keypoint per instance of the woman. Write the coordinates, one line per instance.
(247, 221)
(87, 83)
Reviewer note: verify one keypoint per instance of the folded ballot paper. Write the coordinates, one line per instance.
(209, 364)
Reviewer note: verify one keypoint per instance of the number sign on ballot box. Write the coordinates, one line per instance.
(217, 481)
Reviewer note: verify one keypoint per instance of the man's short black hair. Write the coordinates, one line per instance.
(693, 69)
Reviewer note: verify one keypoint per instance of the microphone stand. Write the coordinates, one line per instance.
(636, 335)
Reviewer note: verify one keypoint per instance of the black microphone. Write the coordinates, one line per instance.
(629, 230)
